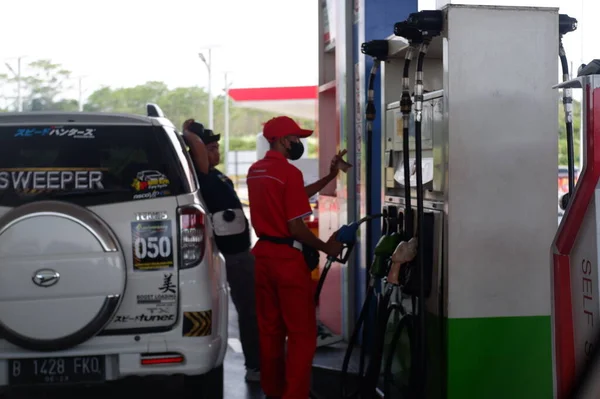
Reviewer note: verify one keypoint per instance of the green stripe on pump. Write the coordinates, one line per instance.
(500, 358)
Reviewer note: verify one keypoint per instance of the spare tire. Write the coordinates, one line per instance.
(62, 275)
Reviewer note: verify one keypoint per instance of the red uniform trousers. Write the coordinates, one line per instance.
(285, 307)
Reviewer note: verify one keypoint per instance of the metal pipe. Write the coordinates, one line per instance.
(17, 75)
(226, 131)
(80, 101)
(208, 63)
(210, 96)
(19, 100)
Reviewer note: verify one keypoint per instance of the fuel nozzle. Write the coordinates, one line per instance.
(382, 253)
(378, 49)
(404, 253)
(566, 24)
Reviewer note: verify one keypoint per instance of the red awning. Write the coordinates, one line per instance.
(298, 101)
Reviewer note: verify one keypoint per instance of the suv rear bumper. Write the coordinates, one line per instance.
(124, 353)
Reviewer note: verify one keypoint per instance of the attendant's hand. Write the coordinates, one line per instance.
(334, 247)
(337, 160)
(186, 124)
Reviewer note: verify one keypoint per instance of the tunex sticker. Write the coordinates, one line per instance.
(34, 180)
(152, 245)
(150, 184)
(58, 131)
(155, 302)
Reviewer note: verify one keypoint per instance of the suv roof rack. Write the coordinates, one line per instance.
(45, 118)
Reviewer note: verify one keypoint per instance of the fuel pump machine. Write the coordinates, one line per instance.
(489, 162)
(576, 305)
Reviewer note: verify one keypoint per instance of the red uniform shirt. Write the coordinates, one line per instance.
(276, 194)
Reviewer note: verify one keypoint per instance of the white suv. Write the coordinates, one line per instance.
(108, 265)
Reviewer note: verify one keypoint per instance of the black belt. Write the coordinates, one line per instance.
(311, 255)
(283, 240)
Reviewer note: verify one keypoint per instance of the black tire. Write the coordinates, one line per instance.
(205, 386)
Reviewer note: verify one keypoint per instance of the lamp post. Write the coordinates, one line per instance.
(80, 89)
(17, 74)
(208, 64)
(226, 133)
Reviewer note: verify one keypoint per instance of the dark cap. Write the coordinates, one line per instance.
(282, 126)
(207, 135)
(210, 137)
(196, 128)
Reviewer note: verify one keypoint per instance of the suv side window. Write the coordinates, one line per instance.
(88, 165)
(185, 157)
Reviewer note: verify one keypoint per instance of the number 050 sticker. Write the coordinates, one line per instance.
(152, 245)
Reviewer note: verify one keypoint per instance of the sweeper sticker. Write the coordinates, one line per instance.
(152, 245)
(34, 180)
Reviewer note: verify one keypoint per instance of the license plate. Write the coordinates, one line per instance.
(57, 370)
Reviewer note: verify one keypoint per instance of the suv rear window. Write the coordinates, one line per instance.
(88, 165)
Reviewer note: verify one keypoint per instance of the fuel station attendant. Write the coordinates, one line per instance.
(284, 292)
(232, 235)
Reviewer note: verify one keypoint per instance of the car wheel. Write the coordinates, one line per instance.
(205, 386)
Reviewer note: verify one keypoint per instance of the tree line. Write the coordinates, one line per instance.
(44, 86)
(46, 82)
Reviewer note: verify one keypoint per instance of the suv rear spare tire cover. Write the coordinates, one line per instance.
(63, 275)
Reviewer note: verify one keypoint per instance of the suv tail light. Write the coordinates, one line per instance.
(192, 235)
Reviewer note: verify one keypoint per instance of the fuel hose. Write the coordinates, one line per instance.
(347, 235)
(370, 114)
(406, 109)
(371, 379)
(414, 324)
(378, 51)
(568, 108)
(567, 24)
(422, 327)
(364, 313)
(405, 325)
(417, 341)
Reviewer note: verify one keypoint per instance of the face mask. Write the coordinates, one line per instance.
(296, 150)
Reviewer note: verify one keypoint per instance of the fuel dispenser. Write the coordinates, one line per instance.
(575, 250)
(469, 132)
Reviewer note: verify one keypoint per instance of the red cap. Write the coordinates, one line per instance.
(282, 126)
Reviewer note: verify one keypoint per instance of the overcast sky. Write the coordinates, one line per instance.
(262, 42)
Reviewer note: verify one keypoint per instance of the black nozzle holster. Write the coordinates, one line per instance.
(377, 49)
(430, 21)
(566, 24)
(407, 31)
